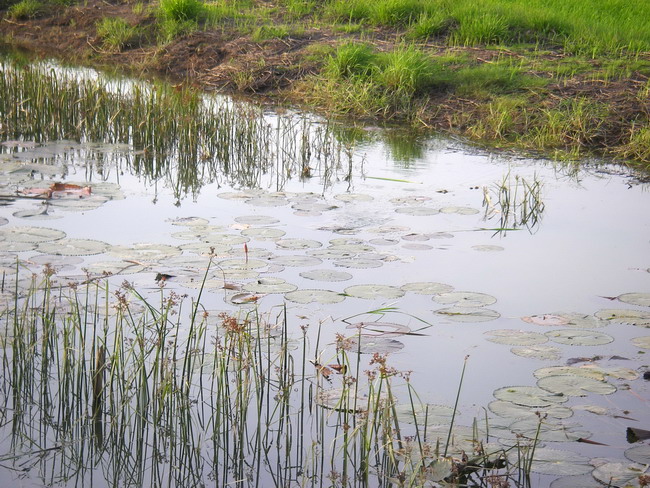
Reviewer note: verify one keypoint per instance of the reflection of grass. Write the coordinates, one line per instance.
(163, 393)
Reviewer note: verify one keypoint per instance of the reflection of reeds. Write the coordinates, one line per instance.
(108, 384)
(178, 135)
(517, 203)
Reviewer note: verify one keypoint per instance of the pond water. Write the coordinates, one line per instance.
(518, 263)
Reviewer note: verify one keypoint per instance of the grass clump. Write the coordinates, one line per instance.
(266, 32)
(116, 33)
(26, 9)
(429, 25)
(351, 60)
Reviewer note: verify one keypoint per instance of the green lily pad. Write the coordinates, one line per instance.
(512, 410)
(326, 275)
(80, 204)
(640, 299)
(11, 247)
(314, 296)
(269, 285)
(459, 210)
(296, 261)
(424, 414)
(256, 220)
(548, 353)
(31, 235)
(366, 344)
(619, 475)
(546, 319)
(417, 211)
(189, 221)
(529, 396)
(266, 233)
(639, 454)
(639, 318)
(516, 337)
(572, 385)
(569, 370)
(358, 263)
(353, 197)
(371, 292)
(559, 463)
(298, 244)
(146, 252)
(468, 314)
(583, 481)
(242, 263)
(113, 268)
(205, 248)
(579, 337)
(410, 200)
(546, 431)
(383, 242)
(73, 247)
(427, 288)
(464, 299)
(36, 213)
(642, 342)
(268, 201)
(221, 239)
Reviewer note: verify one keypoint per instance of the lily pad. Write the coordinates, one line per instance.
(512, 410)
(146, 252)
(36, 213)
(326, 275)
(427, 288)
(639, 454)
(583, 481)
(353, 197)
(366, 344)
(464, 299)
(516, 337)
(529, 396)
(314, 296)
(549, 353)
(573, 385)
(543, 430)
(642, 342)
(639, 318)
(619, 475)
(242, 263)
(256, 220)
(298, 244)
(560, 463)
(358, 263)
(459, 210)
(546, 319)
(569, 370)
(32, 235)
(640, 299)
(424, 414)
(267, 233)
(296, 261)
(73, 247)
(579, 337)
(383, 242)
(372, 292)
(417, 211)
(6, 246)
(269, 285)
(468, 314)
(189, 221)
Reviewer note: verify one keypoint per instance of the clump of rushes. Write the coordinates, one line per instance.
(351, 60)
(180, 17)
(116, 33)
(26, 9)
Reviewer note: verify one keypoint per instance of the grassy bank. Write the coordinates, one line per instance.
(563, 78)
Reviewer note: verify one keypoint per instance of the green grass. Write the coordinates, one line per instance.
(266, 32)
(116, 33)
(26, 9)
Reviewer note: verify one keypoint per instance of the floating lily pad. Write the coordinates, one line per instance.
(538, 352)
(639, 318)
(619, 475)
(546, 319)
(512, 410)
(560, 463)
(245, 298)
(642, 342)
(488, 248)
(529, 396)
(114, 267)
(268, 201)
(579, 337)
(268, 233)
(416, 237)
(569, 370)
(6, 246)
(380, 328)
(414, 246)
(79, 204)
(225, 239)
(417, 211)
(296, 261)
(573, 385)
(269, 285)
(73, 247)
(639, 454)
(205, 248)
(242, 263)
(256, 220)
(298, 244)
(427, 288)
(32, 235)
(314, 296)
(146, 252)
(543, 430)
(3, 221)
(36, 213)
(357, 263)
(459, 210)
(410, 200)
(640, 299)
(55, 260)
(326, 275)
(468, 314)
(464, 299)
(383, 242)
(341, 399)
(516, 337)
(424, 414)
(353, 197)
(367, 344)
(583, 481)
(372, 292)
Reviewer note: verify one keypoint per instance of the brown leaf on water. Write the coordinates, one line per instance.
(324, 371)
(587, 441)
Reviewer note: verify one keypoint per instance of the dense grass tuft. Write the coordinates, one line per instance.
(26, 9)
(116, 33)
